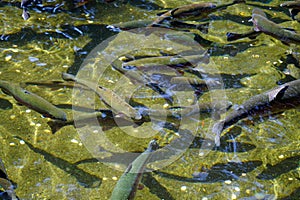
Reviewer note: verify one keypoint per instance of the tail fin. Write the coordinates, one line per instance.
(217, 129)
(233, 36)
(55, 125)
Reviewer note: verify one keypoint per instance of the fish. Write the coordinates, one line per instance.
(174, 24)
(138, 77)
(273, 101)
(6, 184)
(104, 118)
(293, 6)
(33, 101)
(262, 24)
(215, 108)
(194, 83)
(176, 61)
(127, 185)
(109, 97)
(198, 10)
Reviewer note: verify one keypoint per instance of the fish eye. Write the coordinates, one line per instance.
(26, 92)
(129, 67)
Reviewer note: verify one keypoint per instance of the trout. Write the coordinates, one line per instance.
(198, 10)
(126, 187)
(262, 24)
(33, 101)
(276, 100)
(110, 98)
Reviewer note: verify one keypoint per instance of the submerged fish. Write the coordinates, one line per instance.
(126, 187)
(192, 10)
(276, 100)
(235, 36)
(215, 108)
(262, 24)
(141, 78)
(6, 185)
(176, 61)
(33, 101)
(110, 98)
(104, 118)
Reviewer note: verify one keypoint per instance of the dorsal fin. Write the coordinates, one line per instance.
(277, 93)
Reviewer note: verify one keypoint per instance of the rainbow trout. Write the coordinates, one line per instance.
(276, 100)
(6, 184)
(110, 98)
(126, 187)
(33, 101)
(262, 24)
(198, 10)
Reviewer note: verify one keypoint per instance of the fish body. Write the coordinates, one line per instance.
(198, 10)
(235, 36)
(33, 101)
(103, 118)
(138, 77)
(110, 98)
(263, 24)
(276, 100)
(177, 61)
(126, 187)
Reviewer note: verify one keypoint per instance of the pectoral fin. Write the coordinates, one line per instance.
(277, 93)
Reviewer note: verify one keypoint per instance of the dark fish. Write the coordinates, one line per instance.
(6, 185)
(235, 36)
(33, 101)
(198, 10)
(127, 185)
(276, 100)
(262, 24)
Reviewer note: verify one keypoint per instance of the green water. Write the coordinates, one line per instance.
(262, 164)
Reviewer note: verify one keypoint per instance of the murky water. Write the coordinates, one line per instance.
(259, 160)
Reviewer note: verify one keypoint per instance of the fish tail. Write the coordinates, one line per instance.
(232, 36)
(55, 125)
(217, 129)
